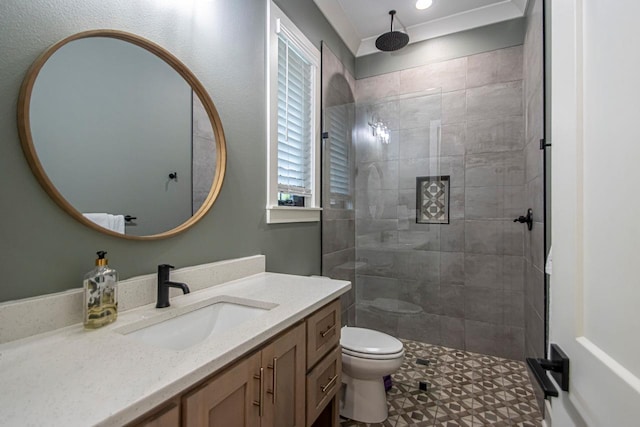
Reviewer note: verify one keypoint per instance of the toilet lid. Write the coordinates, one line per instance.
(368, 341)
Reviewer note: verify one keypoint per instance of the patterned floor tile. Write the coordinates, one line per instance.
(464, 389)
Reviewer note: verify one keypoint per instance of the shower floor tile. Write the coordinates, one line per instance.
(463, 389)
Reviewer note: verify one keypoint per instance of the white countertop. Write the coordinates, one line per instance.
(74, 377)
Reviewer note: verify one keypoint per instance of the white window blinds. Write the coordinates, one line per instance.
(339, 152)
(295, 119)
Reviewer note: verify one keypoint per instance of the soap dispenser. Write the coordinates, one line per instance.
(100, 294)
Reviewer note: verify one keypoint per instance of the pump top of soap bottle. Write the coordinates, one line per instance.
(101, 260)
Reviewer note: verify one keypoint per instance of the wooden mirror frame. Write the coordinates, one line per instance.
(26, 140)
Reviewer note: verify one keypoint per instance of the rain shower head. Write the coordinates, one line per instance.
(392, 40)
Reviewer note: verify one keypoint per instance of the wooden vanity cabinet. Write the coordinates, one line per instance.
(244, 395)
(277, 385)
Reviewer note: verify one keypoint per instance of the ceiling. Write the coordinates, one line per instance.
(360, 22)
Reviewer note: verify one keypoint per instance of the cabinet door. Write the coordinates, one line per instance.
(231, 399)
(284, 360)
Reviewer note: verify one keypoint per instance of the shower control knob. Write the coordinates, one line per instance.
(526, 219)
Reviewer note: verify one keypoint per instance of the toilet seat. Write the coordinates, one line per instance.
(372, 356)
(370, 344)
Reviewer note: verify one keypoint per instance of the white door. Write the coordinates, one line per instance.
(595, 285)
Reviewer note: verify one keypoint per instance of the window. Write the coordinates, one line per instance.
(293, 123)
(338, 123)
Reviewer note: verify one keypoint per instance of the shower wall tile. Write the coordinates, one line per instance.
(483, 337)
(452, 332)
(494, 340)
(420, 240)
(512, 238)
(483, 237)
(537, 246)
(513, 273)
(514, 308)
(491, 101)
(419, 112)
(535, 197)
(428, 295)
(338, 265)
(412, 168)
(379, 240)
(370, 226)
(333, 214)
(454, 107)
(484, 202)
(377, 176)
(534, 327)
(483, 271)
(498, 66)
(494, 169)
(416, 143)
(376, 262)
(514, 201)
(533, 160)
(378, 87)
(453, 139)
(372, 287)
(495, 135)
(380, 204)
(388, 112)
(456, 203)
(534, 288)
(494, 202)
(452, 268)
(366, 317)
(424, 328)
(484, 305)
(447, 75)
(338, 235)
(452, 236)
(417, 264)
(513, 343)
(534, 108)
(452, 300)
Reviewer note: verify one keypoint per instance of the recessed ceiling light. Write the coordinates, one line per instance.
(423, 4)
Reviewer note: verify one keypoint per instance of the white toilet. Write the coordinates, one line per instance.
(367, 356)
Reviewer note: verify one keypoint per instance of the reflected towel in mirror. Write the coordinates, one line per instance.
(108, 221)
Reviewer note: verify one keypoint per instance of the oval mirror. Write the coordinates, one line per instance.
(121, 135)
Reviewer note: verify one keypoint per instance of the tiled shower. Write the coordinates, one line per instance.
(455, 277)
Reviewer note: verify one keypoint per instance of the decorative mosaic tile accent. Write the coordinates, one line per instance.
(432, 199)
(464, 390)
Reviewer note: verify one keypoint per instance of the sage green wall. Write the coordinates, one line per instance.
(43, 250)
(456, 45)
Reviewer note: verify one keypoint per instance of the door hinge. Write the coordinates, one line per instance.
(544, 144)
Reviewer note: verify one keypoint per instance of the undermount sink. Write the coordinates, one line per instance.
(191, 325)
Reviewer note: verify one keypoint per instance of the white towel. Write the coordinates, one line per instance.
(108, 221)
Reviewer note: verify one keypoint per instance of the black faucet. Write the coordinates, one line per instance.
(164, 284)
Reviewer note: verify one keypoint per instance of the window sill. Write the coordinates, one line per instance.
(282, 214)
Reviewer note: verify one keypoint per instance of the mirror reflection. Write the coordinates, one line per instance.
(122, 136)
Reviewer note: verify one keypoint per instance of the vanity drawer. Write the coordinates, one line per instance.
(323, 382)
(323, 332)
